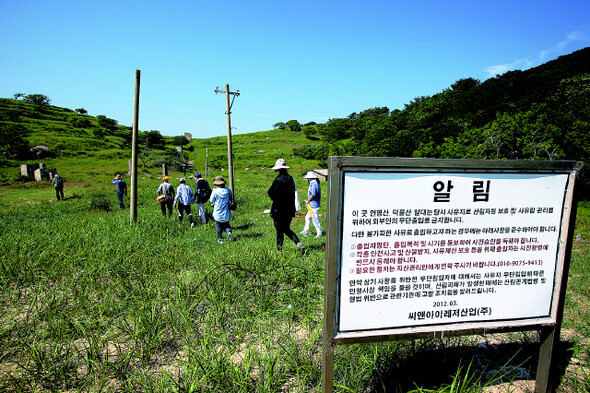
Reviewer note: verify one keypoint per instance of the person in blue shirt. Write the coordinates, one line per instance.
(220, 197)
(121, 189)
(314, 194)
(183, 201)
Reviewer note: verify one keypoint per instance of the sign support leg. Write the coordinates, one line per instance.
(328, 367)
(549, 338)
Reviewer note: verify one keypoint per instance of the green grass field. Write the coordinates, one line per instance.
(90, 302)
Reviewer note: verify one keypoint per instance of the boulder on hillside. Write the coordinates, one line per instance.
(39, 151)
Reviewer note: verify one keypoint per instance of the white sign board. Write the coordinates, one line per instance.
(434, 248)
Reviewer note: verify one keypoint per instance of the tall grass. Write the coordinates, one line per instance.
(92, 302)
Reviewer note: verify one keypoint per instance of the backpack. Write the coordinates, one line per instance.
(203, 191)
(59, 182)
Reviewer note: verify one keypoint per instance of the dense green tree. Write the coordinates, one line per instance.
(154, 140)
(37, 99)
(179, 140)
(310, 131)
(12, 140)
(335, 129)
(82, 111)
(294, 125)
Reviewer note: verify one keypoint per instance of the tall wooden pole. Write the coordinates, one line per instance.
(207, 163)
(133, 199)
(230, 159)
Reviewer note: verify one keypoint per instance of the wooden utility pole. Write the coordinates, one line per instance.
(228, 104)
(133, 199)
(206, 163)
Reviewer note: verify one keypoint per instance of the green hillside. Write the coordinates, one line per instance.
(84, 150)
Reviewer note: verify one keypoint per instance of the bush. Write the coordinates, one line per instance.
(109, 124)
(310, 132)
(309, 152)
(100, 201)
(80, 122)
(179, 140)
(12, 140)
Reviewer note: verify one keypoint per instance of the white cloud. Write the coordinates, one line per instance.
(543, 56)
(497, 69)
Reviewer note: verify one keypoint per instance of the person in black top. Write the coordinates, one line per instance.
(202, 194)
(282, 192)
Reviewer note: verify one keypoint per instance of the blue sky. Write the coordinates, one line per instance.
(308, 60)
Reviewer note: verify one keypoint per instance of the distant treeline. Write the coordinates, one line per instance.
(539, 114)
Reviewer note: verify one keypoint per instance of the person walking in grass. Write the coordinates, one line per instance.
(282, 193)
(202, 195)
(220, 197)
(314, 194)
(166, 189)
(58, 184)
(183, 201)
(121, 189)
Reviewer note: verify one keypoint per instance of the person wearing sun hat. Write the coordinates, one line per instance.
(184, 200)
(121, 189)
(220, 197)
(314, 194)
(282, 193)
(166, 189)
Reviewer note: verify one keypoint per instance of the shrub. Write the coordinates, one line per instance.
(100, 201)
(78, 122)
(309, 152)
(109, 124)
(179, 140)
(12, 140)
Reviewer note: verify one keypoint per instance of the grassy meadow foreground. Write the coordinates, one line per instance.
(90, 302)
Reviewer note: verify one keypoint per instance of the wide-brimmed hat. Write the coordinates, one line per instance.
(280, 164)
(310, 175)
(219, 181)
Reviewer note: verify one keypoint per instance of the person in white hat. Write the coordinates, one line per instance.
(282, 192)
(314, 194)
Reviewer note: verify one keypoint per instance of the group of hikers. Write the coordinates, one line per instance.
(282, 192)
(221, 197)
